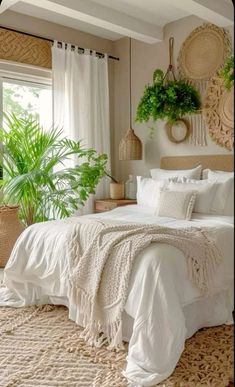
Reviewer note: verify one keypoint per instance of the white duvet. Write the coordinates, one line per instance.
(163, 307)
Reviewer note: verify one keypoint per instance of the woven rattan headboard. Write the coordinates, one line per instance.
(215, 162)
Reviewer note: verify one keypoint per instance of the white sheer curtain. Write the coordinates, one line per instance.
(81, 102)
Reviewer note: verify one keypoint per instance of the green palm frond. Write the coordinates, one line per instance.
(35, 172)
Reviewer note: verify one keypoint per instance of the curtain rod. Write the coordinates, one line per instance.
(52, 41)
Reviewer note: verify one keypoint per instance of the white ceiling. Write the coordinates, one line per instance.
(158, 12)
(41, 13)
(140, 19)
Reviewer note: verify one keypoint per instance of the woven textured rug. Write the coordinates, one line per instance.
(40, 346)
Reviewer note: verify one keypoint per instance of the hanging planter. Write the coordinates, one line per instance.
(166, 98)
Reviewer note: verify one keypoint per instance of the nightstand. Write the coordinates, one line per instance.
(102, 205)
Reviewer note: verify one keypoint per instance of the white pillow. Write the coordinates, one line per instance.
(205, 192)
(226, 191)
(161, 174)
(214, 197)
(176, 204)
(148, 191)
(220, 175)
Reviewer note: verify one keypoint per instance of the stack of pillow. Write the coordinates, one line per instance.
(178, 193)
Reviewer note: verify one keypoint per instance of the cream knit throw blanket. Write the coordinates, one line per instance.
(101, 256)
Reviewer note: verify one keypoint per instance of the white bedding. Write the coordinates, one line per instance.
(163, 307)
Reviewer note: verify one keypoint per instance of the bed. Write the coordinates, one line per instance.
(163, 306)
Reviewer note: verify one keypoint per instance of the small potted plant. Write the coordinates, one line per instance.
(116, 189)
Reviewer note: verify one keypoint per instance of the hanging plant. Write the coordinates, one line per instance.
(167, 99)
(227, 72)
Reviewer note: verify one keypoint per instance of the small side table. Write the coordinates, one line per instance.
(102, 205)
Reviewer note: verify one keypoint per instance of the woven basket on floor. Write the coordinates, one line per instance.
(10, 229)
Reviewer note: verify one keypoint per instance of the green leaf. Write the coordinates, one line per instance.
(168, 100)
(35, 172)
(227, 72)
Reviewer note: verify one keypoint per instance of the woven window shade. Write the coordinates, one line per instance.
(26, 49)
(130, 147)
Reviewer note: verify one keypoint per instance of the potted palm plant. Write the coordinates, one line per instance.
(36, 175)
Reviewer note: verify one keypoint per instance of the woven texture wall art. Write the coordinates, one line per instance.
(24, 49)
(200, 57)
(218, 112)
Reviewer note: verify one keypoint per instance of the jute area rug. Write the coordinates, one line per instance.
(40, 346)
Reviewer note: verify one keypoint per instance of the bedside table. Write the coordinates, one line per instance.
(102, 205)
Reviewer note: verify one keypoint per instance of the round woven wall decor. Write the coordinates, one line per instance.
(218, 113)
(178, 131)
(203, 52)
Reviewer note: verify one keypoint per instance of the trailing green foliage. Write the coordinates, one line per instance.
(35, 174)
(169, 100)
(227, 72)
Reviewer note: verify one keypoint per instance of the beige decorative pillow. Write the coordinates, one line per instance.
(176, 204)
(205, 193)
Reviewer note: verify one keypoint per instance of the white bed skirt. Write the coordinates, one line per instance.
(207, 312)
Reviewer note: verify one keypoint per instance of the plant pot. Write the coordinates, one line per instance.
(10, 229)
(117, 190)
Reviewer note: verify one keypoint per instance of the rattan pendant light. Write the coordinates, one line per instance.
(130, 147)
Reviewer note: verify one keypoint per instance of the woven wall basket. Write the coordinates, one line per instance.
(218, 113)
(201, 55)
(10, 229)
(203, 52)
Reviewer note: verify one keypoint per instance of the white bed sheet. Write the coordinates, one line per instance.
(163, 307)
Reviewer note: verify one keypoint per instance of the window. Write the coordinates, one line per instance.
(26, 91)
(27, 99)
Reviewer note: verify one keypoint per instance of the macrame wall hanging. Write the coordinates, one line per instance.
(201, 55)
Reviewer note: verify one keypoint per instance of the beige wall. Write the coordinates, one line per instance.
(145, 59)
